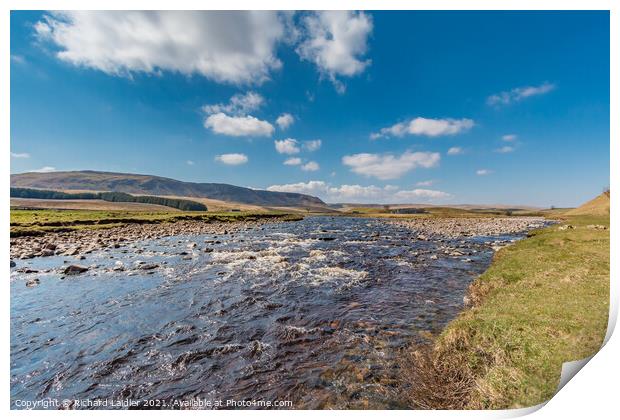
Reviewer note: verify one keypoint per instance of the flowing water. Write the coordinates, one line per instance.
(314, 312)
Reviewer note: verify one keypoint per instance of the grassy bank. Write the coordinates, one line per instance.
(543, 301)
(39, 222)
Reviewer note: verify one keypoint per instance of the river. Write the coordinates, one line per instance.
(314, 311)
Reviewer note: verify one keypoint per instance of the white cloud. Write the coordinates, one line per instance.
(239, 123)
(190, 162)
(293, 161)
(239, 126)
(505, 149)
(19, 59)
(310, 187)
(287, 146)
(232, 158)
(312, 145)
(236, 47)
(509, 137)
(483, 172)
(518, 94)
(425, 183)
(455, 151)
(336, 42)
(419, 193)
(20, 155)
(361, 194)
(310, 166)
(239, 104)
(426, 127)
(389, 166)
(45, 169)
(285, 120)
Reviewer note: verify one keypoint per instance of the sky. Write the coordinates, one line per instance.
(359, 107)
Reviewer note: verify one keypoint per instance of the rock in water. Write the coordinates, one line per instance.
(13, 264)
(32, 283)
(75, 269)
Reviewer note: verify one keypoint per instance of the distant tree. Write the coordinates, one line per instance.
(118, 197)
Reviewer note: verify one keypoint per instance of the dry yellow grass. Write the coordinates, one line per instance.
(599, 206)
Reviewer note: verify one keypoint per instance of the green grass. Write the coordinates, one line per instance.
(38, 222)
(543, 301)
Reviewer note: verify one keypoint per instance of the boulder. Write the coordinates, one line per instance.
(75, 269)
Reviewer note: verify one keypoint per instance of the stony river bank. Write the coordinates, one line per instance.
(86, 241)
(429, 228)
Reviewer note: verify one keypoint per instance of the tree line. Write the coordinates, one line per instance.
(119, 197)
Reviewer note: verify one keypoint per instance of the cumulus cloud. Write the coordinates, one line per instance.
(285, 120)
(483, 172)
(239, 104)
(310, 187)
(425, 183)
(312, 145)
(429, 127)
(455, 151)
(517, 94)
(336, 42)
(238, 126)
(287, 146)
(20, 155)
(388, 166)
(237, 47)
(238, 123)
(505, 149)
(509, 137)
(45, 169)
(310, 166)
(420, 193)
(360, 194)
(294, 161)
(232, 158)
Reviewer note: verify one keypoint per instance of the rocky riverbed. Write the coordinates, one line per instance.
(86, 241)
(428, 228)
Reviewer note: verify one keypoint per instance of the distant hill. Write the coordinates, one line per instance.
(160, 186)
(599, 206)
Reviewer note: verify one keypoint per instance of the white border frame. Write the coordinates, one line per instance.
(592, 393)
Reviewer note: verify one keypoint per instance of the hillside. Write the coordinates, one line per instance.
(160, 186)
(598, 206)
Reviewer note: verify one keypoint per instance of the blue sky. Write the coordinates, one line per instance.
(438, 107)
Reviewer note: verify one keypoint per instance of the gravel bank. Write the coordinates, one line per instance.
(428, 228)
(87, 241)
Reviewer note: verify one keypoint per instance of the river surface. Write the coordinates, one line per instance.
(315, 312)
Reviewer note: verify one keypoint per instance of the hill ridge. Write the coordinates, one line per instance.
(90, 180)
